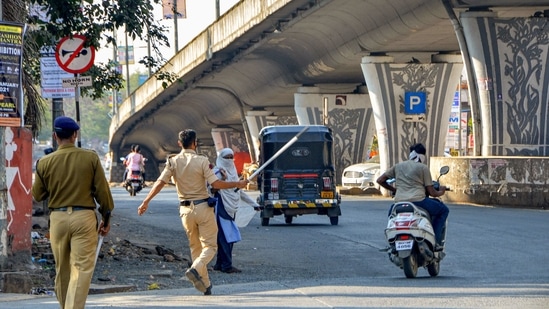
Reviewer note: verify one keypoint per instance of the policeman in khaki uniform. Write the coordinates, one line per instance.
(73, 179)
(190, 173)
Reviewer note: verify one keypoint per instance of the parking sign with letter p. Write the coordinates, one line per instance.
(415, 103)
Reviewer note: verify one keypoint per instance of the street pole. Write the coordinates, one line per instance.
(115, 60)
(149, 49)
(176, 34)
(56, 111)
(127, 67)
(459, 117)
(77, 107)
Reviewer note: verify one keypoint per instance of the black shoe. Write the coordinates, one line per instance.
(439, 248)
(232, 270)
(196, 280)
(208, 290)
(217, 267)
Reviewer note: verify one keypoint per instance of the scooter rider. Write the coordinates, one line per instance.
(413, 179)
(135, 161)
(125, 162)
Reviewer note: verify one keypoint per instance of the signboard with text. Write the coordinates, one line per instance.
(123, 52)
(51, 76)
(11, 63)
(169, 6)
(83, 81)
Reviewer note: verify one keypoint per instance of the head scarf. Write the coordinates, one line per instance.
(416, 157)
(230, 198)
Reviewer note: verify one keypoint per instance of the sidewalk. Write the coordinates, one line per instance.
(360, 292)
(266, 294)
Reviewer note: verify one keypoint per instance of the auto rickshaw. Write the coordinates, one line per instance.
(301, 180)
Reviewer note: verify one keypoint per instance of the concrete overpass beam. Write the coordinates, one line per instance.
(349, 115)
(509, 59)
(388, 84)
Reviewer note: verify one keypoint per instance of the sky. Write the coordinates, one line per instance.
(200, 14)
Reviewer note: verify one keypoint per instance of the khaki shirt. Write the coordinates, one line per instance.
(72, 176)
(411, 179)
(190, 172)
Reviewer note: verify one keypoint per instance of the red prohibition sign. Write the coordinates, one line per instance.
(72, 56)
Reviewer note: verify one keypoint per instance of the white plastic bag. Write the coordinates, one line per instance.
(244, 215)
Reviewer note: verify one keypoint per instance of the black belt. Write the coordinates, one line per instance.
(196, 202)
(74, 208)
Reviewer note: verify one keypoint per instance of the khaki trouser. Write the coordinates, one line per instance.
(201, 227)
(73, 236)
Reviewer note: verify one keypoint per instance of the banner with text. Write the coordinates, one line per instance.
(11, 63)
(171, 6)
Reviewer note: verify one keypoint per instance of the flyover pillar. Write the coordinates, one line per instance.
(258, 119)
(230, 138)
(349, 115)
(389, 82)
(510, 58)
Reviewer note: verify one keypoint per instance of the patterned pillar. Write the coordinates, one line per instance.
(229, 138)
(387, 84)
(350, 116)
(510, 59)
(257, 120)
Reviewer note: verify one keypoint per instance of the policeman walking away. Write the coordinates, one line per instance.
(74, 180)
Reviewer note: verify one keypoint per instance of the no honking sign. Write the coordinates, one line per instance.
(72, 56)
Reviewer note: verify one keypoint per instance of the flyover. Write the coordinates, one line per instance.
(258, 55)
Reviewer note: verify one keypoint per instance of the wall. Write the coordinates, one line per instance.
(15, 196)
(501, 181)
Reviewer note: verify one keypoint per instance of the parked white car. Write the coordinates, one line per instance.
(361, 175)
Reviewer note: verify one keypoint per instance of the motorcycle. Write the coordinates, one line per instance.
(411, 237)
(134, 183)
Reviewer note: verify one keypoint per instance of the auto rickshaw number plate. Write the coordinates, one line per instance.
(326, 194)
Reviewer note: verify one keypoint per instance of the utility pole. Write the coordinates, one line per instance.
(115, 60)
(56, 111)
(128, 92)
(175, 22)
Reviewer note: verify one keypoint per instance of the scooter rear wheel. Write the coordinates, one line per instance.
(409, 264)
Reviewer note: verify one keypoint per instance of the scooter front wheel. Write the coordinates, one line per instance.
(409, 264)
(433, 269)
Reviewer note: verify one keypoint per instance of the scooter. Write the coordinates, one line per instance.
(411, 237)
(134, 183)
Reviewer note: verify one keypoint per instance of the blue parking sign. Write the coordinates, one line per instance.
(415, 102)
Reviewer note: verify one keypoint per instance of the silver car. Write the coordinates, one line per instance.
(361, 175)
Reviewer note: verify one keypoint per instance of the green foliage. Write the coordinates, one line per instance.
(94, 120)
(94, 115)
(98, 21)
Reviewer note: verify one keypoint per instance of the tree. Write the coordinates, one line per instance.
(98, 21)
